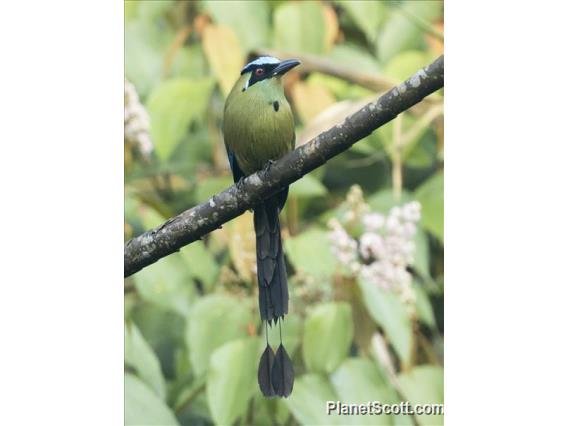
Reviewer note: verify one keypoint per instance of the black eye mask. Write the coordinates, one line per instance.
(254, 77)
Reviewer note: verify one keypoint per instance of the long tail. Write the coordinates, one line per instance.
(271, 270)
(275, 372)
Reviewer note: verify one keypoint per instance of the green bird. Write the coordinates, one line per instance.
(259, 128)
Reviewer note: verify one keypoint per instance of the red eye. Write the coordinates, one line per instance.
(259, 72)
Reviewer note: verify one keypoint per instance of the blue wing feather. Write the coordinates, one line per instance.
(237, 172)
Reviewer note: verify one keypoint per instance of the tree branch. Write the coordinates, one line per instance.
(194, 223)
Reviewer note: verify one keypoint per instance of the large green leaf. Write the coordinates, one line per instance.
(431, 196)
(368, 15)
(142, 406)
(342, 89)
(152, 11)
(139, 355)
(172, 106)
(144, 47)
(211, 186)
(309, 400)
(167, 283)
(401, 32)
(359, 381)
(249, 20)
(406, 64)
(352, 56)
(423, 306)
(307, 187)
(202, 264)
(328, 332)
(422, 254)
(309, 252)
(213, 321)
(231, 379)
(424, 385)
(270, 411)
(189, 62)
(389, 312)
(163, 330)
(300, 27)
(224, 54)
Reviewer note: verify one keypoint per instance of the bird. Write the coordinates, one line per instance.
(258, 128)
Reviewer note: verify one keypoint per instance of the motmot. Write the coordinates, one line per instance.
(258, 129)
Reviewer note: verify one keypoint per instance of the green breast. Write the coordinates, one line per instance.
(258, 124)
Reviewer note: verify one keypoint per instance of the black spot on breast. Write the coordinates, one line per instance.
(276, 105)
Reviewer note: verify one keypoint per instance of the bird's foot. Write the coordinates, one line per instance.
(239, 184)
(268, 166)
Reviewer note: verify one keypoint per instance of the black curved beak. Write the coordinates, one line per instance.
(285, 66)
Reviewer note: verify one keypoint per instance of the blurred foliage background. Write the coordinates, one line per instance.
(193, 336)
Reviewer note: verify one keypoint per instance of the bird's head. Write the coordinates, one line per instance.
(266, 68)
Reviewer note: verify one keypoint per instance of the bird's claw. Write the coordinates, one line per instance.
(239, 184)
(268, 166)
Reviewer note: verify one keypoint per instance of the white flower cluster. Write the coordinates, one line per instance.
(384, 250)
(344, 247)
(136, 120)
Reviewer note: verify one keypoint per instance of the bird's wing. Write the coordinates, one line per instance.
(237, 172)
(294, 142)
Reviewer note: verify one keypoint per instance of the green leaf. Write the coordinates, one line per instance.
(248, 19)
(400, 32)
(301, 248)
(431, 196)
(308, 187)
(354, 57)
(224, 54)
(139, 355)
(213, 321)
(406, 64)
(309, 399)
(341, 89)
(172, 106)
(328, 332)
(300, 27)
(291, 334)
(422, 254)
(143, 54)
(197, 412)
(149, 216)
(167, 283)
(142, 406)
(189, 62)
(403, 421)
(151, 11)
(389, 312)
(385, 200)
(368, 15)
(422, 155)
(424, 385)
(163, 330)
(211, 186)
(424, 309)
(358, 381)
(231, 379)
(202, 264)
(270, 411)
